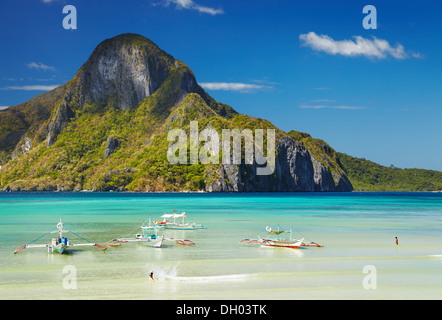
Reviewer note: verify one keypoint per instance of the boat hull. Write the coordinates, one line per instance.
(154, 243)
(282, 243)
(59, 248)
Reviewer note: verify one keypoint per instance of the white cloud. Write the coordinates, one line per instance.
(233, 86)
(191, 5)
(330, 107)
(13, 79)
(417, 55)
(4, 107)
(347, 107)
(265, 81)
(40, 66)
(360, 46)
(31, 88)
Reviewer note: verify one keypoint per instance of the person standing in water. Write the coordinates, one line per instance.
(151, 275)
(397, 241)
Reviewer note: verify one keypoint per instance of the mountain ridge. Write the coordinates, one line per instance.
(367, 175)
(106, 129)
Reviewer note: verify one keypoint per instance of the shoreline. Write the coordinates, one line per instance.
(211, 192)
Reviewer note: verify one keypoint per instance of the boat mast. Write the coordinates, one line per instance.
(60, 229)
(278, 230)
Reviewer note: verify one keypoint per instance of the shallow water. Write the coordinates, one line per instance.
(356, 229)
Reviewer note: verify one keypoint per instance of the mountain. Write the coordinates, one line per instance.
(366, 175)
(107, 129)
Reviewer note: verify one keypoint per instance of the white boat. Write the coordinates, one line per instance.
(280, 238)
(176, 221)
(148, 236)
(276, 238)
(295, 244)
(61, 243)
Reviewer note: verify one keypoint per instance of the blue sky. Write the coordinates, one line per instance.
(304, 65)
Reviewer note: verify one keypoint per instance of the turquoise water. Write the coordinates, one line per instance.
(356, 229)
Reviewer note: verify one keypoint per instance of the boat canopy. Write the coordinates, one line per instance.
(174, 215)
(277, 232)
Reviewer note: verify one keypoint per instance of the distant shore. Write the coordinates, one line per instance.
(216, 192)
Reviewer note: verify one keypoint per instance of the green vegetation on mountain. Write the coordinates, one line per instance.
(321, 150)
(139, 163)
(366, 175)
(107, 129)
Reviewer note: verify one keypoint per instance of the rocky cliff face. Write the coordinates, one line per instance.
(106, 129)
(295, 170)
(127, 69)
(63, 114)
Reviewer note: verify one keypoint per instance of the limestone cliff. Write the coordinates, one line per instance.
(106, 129)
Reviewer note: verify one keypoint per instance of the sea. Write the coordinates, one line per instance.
(359, 258)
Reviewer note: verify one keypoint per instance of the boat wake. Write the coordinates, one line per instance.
(163, 272)
(170, 273)
(225, 277)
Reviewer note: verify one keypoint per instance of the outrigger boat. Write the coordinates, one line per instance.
(170, 222)
(149, 236)
(279, 238)
(59, 244)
